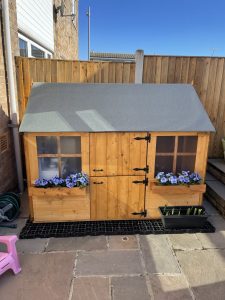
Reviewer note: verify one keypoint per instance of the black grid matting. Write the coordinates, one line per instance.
(94, 228)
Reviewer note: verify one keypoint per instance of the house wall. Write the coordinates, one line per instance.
(35, 19)
(66, 32)
(8, 179)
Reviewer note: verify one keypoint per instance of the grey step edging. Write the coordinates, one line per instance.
(216, 167)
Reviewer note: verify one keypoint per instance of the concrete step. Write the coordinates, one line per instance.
(215, 193)
(216, 167)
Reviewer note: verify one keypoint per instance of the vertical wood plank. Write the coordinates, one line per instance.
(164, 69)
(132, 72)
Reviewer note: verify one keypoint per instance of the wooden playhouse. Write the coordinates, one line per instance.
(121, 135)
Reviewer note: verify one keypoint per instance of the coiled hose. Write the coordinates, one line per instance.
(9, 209)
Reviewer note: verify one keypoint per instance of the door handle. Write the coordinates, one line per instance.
(98, 170)
(101, 182)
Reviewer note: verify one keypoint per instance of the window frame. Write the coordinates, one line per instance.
(59, 155)
(30, 145)
(29, 42)
(175, 154)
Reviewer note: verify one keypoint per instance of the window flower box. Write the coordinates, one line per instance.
(58, 199)
(177, 189)
(182, 183)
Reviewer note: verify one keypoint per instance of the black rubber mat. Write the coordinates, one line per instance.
(93, 228)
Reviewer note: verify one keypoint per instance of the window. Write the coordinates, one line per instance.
(58, 155)
(23, 48)
(36, 52)
(175, 153)
(29, 48)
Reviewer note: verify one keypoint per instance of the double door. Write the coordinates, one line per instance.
(118, 168)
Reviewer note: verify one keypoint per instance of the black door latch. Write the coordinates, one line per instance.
(146, 169)
(141, 213)
(145, 181)
(147, 138)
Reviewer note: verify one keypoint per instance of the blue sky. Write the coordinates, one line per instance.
(173, 27)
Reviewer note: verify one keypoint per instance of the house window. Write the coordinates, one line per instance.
(29, 48)
(23, 48)
(175, 153)
(36, 52)
(58, 155)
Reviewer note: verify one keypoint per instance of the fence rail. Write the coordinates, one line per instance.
(207, 74)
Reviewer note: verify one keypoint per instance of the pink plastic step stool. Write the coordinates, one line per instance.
(9, 259)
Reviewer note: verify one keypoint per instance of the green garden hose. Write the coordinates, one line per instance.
(9, 209)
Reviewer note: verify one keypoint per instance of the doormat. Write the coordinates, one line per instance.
(93, 228)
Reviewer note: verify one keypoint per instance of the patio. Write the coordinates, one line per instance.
(187, 266)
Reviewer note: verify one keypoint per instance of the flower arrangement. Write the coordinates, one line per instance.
(73, 180)
(183, 178)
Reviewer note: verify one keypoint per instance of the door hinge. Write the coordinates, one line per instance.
(147, 138)
(145, 181)
(141, 213)
(146, 169)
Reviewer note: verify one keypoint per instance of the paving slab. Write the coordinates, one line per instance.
(118, 262)
(31, 246)
(43, 276)
(205, 271)
(123, 242)
(95, 288)
(218, 222)
(185, 241)
(170, 287)
(129, 288)
(87, 243)
(9, 231)
(212, 240)
(158, 254)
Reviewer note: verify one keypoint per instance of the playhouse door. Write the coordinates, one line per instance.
(117, 197)
(118, 153)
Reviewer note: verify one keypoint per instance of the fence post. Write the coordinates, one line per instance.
(139, 61)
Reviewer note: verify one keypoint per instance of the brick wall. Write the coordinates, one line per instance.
(66, 33)
(8, 178)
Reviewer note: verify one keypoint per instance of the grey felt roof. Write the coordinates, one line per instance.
(70, 107)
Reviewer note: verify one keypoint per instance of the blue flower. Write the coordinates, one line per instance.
(181, 178)
(186, 180)
(173, 179)
(159, 175)
(163, 180)
(185, 173)
(41, 182)
(169, 174)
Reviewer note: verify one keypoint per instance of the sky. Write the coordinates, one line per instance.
(165, 27)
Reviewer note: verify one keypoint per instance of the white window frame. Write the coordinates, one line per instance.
(30, 43)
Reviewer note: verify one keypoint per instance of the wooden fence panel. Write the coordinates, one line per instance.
(31, 70)
(207, 74)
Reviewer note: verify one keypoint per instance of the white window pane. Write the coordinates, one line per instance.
(48, 167)
(47, 145)
(70, 144)
(70, 165)
(23, 48)
(36, 52)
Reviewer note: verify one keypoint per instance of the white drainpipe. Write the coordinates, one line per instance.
(12, 94)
